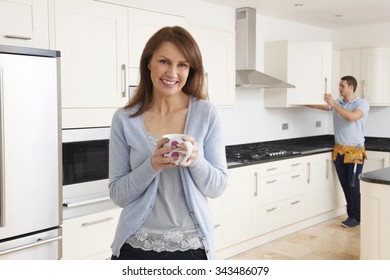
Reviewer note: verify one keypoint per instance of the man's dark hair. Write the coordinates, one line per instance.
(351, 81)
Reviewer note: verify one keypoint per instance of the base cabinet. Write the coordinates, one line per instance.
(375, 227)
(89, 237)
(266, 201)
(376, 160)
(323, 192)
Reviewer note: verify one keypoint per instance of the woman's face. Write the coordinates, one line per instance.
(169, 70)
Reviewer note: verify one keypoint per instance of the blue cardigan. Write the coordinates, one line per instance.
(133, 181)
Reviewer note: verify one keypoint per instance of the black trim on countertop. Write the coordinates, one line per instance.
(305, 146)
(381, 176)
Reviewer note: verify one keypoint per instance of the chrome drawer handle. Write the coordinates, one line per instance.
(295, 176)
(10, 36)
(272, 181)
(272, 169)
(97, 222)
(295, 202)
(217, 225)
(295, 164)
(271, 209)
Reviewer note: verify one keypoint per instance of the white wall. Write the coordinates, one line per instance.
(365, 36)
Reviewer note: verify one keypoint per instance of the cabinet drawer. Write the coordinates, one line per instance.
(279, 187)
(221, 233)
(280, 166)
(279, 214)
(89, 236)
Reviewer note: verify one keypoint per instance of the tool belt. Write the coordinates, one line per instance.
(352, 154)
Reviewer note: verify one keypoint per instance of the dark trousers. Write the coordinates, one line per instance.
(351, 191)
(130, 253)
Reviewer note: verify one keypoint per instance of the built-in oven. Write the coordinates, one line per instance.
(85, 153)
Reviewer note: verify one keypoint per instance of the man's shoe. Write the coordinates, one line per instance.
(350, 223)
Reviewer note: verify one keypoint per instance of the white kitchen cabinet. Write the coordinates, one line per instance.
(89, 237)
(323, 192)
(376, 160)
(242, 181)
(100, 46)
(350, 65)
(371, 68)
(92, 38)
(306, 65)
(218, 54)
(375, 227)
(142, 25)
(24, 23)
(278, 194)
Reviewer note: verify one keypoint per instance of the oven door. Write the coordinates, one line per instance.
(85, 155)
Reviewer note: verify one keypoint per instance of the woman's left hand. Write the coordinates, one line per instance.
(194, 154)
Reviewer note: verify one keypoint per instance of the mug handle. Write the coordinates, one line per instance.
(189, 150)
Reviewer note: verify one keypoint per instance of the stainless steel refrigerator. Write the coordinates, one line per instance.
(30, 155)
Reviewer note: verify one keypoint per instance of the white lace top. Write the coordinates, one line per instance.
(169, 226)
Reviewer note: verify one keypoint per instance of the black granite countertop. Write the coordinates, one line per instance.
(381, 176)
(304, 146)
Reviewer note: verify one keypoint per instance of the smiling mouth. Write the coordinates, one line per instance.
(169, 83)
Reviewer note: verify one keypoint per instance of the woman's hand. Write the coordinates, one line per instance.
(159, 161)
(183, 152)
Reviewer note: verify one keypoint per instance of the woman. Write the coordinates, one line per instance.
(165, 210)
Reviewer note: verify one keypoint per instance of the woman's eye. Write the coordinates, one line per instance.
(183, 65)
(163, 61)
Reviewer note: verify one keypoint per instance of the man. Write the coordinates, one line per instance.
(349, 116)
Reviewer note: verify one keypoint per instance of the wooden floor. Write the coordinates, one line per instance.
(325, 241)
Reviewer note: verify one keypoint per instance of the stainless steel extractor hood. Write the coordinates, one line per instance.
(246, 73)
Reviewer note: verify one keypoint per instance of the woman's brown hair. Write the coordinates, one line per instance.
(183, 40)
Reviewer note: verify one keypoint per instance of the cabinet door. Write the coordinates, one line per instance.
(241, 193)
(376, 160)
(310, 72)
(24, 23)
(142, 25)
(350, 65)
(375, 75)
(307, 66)
(92, 38)
(322, 191)
(90, 236)
(218, 55)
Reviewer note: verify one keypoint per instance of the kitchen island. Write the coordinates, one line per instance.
(375, 215)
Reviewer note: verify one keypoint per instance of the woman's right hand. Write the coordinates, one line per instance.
(158, 160)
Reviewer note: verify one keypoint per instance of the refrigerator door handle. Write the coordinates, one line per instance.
(31, 245)
(2, 168)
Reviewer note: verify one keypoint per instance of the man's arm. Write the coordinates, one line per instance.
(350, 116)
(322, 107)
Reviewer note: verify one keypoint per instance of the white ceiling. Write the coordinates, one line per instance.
(319, 13)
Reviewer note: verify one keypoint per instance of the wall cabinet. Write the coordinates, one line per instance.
(98, 62)
(24, 23)
(218, 53)
(376, 160)
(89, 237)
(92, 38)
(142, 25)
(371, 68)
(308, 66)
